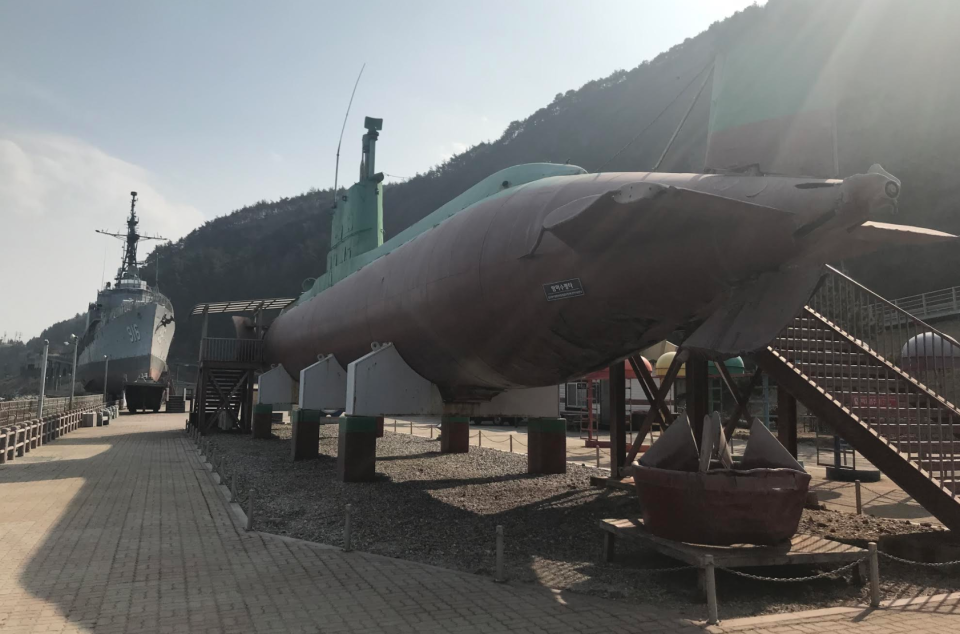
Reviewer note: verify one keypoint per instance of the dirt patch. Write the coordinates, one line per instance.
(443, 510)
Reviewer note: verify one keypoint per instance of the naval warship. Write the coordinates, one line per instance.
(128, 333)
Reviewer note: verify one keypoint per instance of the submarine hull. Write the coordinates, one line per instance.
(567, 274)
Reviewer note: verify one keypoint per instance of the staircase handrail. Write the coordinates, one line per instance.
(908, 380)
(888, 303)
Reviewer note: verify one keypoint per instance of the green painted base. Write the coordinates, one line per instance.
(306, 415)
(547, 446)
(357, 448)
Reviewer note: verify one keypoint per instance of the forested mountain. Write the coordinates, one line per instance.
(898, 104)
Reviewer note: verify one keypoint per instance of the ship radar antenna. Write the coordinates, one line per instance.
(336, 169)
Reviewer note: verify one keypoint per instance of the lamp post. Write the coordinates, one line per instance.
(73, 375)
(106, 365)
(43, 378)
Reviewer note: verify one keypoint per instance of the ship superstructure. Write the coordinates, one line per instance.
(129, 330)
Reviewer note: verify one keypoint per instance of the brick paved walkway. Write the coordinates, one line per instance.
(120, 529)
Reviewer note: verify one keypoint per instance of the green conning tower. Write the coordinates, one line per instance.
(356, 231)
(358, 215)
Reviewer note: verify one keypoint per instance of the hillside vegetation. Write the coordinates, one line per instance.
(898, 105)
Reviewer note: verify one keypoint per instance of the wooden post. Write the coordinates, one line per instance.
(618, 423)
(203, 329)
(665, 386)
(859, 504)
(347, 512)
(711, 587)
(787, 420)
(874, 575)
(499, 573)
(609, 546)
(511, 443)
(698, 387)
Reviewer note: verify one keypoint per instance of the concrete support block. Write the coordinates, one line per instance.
(323, 385)
(381, 383)
(357, 448)
(262, 420)
(277, 388)
(89, 419)
(305, 444)
(547, 446)
(454, 434)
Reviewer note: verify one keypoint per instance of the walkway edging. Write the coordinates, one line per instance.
(952, 598)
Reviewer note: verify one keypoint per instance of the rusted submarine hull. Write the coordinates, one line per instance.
(564, 275)
(723, 507)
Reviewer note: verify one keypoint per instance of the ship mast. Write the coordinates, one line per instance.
(131, 240)
(130, 251)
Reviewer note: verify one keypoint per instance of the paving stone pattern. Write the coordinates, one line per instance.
(120, 529)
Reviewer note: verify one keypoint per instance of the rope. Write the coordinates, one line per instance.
(499, 442)
(919, 563)
(822, 575)
(519, 443)
(656, 118)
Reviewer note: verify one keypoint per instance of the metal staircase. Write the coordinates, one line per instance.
(224, 394)
(884, 380)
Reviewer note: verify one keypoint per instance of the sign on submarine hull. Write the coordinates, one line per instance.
(564, 275)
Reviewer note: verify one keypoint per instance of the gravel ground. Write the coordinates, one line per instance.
(443, 510)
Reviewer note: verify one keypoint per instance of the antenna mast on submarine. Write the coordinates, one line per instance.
(336, 169)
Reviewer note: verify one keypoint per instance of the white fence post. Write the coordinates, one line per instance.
(874, 575)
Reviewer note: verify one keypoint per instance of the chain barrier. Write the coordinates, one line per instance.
(876, 493)
(827, 574)
(657, 570)
(919, 563)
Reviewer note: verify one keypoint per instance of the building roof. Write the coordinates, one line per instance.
(242, 306)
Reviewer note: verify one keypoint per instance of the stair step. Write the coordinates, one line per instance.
(934, 465)
(921, 429)
(826, 357)
(951, 485)
(929, 449)
(842, 370)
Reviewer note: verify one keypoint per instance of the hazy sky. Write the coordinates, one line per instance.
(203, 107)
